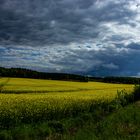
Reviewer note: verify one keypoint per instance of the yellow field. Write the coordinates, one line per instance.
(46, 99)
(62, 88)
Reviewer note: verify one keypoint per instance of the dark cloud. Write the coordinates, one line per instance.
(80, 36)
(42, 22)
(134, 46)
(107, 61)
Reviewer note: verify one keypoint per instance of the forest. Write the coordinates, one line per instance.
(26, 73)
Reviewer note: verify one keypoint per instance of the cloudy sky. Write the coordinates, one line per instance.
(91, 37)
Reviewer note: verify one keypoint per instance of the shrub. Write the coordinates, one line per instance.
(136, 92)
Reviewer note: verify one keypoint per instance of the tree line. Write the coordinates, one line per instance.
(26, 73)
(119, 80)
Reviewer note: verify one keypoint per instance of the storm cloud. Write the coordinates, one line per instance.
(92, 37)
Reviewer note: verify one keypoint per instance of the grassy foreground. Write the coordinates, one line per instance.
(121, 125)
(40, 109)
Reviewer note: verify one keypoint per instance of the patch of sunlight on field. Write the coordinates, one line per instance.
(25, 85)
